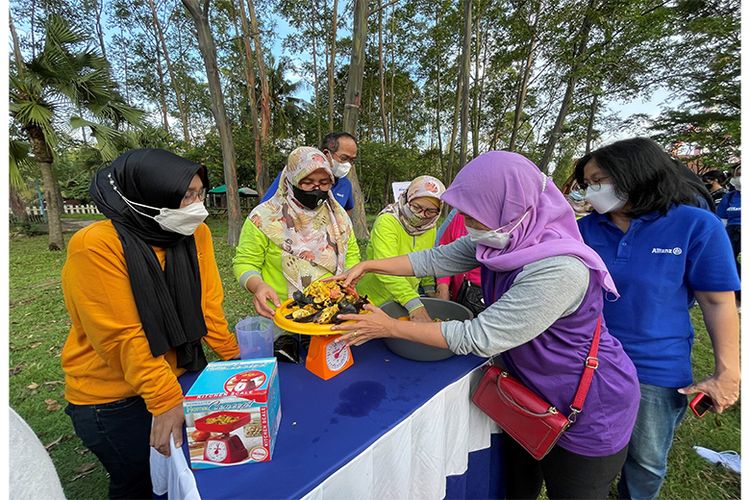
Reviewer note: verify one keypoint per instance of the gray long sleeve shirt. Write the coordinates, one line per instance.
(543, 292)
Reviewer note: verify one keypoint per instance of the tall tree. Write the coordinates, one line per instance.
(332, 62)
(261, 174)
(61, 76)
(353, 100)
(523, 86)
(172, 76)
(465, 71)
(200, 15)
(381, 72)
(582, 40)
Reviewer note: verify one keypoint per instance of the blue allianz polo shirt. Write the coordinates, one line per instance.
(657, 265)
(342, 191)
(730, 208)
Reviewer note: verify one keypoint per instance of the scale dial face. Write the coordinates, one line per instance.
(216, 451)
(337, 354)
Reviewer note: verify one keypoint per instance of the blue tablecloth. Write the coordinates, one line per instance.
(325, 424)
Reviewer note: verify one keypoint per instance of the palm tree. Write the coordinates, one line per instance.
(287, 111)
(61, 77)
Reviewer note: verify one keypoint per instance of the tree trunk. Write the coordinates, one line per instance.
(476, 89)
(54, 209)
(381, 72)
(314, 35)
(392, 114)
(454, 128)
(170, 70)
(590, 125)
(332, 63)
(17, 206)
(208, 51)
(162, 85)
(261, 173)
(524, 86)
(353, 98)
(265, 98)
(580, 48)
(98, 7)
(16, 47)
(465, 69)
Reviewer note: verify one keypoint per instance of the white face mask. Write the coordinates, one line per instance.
(340, 169)
(604, 199)
(496, 239)
(735, 181)
(182, 221)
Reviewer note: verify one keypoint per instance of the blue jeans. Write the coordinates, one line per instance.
(660, 412)
(118, 434)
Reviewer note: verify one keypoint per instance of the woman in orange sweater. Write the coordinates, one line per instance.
(143, 291)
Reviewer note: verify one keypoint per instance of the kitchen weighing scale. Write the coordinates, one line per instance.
(327, 355)
(225, 448)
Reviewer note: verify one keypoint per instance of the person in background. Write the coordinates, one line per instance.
(543, 289)
(404, 226)
(298, 236)
(449, 286)
(341, 150)
(143, 292)
(662, 252)
(730, 211)
(577, 202)
(714, 182)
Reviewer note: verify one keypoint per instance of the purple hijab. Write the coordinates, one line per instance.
(497, 188)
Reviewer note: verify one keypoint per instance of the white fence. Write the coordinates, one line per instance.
(68, 209)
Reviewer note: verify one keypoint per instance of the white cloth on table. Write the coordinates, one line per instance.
(172, 474)
(413, 459)
(32, 473)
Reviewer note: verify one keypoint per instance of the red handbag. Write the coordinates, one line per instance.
(530, 420)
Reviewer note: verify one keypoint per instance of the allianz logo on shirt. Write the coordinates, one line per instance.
(733, 209)
(671, 251)
(340, 195)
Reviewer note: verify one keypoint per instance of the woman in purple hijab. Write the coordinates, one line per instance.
(545, 291)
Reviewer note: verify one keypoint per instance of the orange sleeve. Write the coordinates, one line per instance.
(219, 338)
(96, 281)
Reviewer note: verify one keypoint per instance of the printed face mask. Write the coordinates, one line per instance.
(340, 169)
(605, 199)
(496, 239)
(182, 221)
(735, 181)
(310, 199)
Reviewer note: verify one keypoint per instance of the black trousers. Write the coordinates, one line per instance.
(566, 474)
(118, 434)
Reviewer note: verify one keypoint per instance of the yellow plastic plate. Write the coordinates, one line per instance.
(279, 318)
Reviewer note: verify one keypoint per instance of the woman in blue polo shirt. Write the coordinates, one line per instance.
(662, 252)
(730, 209)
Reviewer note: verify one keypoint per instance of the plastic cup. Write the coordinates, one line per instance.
(255, 336)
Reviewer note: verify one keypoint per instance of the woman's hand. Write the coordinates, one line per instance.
(168, 423)
(364, 327)
(263, 293)
(420, 315)
(443, 291)
(722, 389)
(351, 276)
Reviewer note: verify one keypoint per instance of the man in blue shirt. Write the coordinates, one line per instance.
(341, 150)
(730, 210)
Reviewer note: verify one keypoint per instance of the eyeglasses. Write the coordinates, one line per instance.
(596, 186)
(193, 196)
(429, 212)
(324, 184)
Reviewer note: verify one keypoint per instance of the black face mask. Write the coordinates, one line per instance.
(310, 199)
(708, 185)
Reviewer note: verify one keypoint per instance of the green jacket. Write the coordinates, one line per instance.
(388, 238)
(257, 255)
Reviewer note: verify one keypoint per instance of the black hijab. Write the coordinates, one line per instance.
(168, 301)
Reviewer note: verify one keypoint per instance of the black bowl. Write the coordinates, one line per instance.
(444, 310)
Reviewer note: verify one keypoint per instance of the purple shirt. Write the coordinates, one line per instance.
(552, 363)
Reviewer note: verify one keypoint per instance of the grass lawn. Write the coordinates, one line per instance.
(39, 325)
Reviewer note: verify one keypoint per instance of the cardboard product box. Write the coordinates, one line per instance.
(232, 413)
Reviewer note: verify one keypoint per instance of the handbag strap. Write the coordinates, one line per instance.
(590, 366)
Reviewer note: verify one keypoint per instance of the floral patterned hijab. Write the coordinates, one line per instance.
(422, 186)
(313, 242)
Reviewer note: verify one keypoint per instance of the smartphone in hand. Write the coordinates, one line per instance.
(700, 404)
